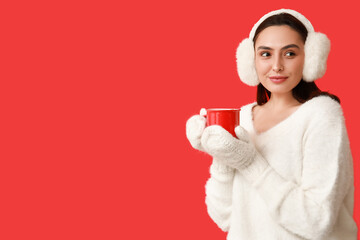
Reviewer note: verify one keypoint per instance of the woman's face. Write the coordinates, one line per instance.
(279, 58)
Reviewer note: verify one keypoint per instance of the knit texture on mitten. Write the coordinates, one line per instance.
(231, 151)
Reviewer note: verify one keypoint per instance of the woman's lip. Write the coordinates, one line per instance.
(277, 79)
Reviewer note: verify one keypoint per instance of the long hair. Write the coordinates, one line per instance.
(304, 91)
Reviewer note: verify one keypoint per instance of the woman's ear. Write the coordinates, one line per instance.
(317, 48)
(245, 59)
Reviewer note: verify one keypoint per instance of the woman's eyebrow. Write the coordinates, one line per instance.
(290, 46)
(283, 48)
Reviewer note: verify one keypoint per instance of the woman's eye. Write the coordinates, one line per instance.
(290, 54)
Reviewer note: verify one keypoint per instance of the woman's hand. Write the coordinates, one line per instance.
(219, 143)
(194, 129)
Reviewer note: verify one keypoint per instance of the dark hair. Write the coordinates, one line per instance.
(304, 91)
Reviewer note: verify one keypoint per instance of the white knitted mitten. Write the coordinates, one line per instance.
(233, 152)
(194, 129)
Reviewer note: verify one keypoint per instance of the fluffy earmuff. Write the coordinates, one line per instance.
(317, 48)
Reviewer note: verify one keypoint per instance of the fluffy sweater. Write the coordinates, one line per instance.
(300, 184)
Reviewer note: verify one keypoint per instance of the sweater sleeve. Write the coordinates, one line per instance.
(219, 194)
(310, 208)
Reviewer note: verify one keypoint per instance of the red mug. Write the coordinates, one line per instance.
(228, 118)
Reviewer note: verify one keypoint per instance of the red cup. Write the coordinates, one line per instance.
(228, 118)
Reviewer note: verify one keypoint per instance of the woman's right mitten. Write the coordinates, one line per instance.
(194, 129)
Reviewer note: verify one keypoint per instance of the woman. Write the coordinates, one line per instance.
(288, 174)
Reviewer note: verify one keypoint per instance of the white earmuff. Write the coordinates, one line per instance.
(317, 48)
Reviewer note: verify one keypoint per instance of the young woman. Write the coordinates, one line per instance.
(288, 174)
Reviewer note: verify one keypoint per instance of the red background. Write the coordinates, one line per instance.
(94, 100)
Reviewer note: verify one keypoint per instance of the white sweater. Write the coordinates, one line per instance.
(300, 185)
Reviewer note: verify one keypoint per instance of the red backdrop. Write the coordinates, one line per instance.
(94, 100)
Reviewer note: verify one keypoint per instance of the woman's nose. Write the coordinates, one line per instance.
(277, 65)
